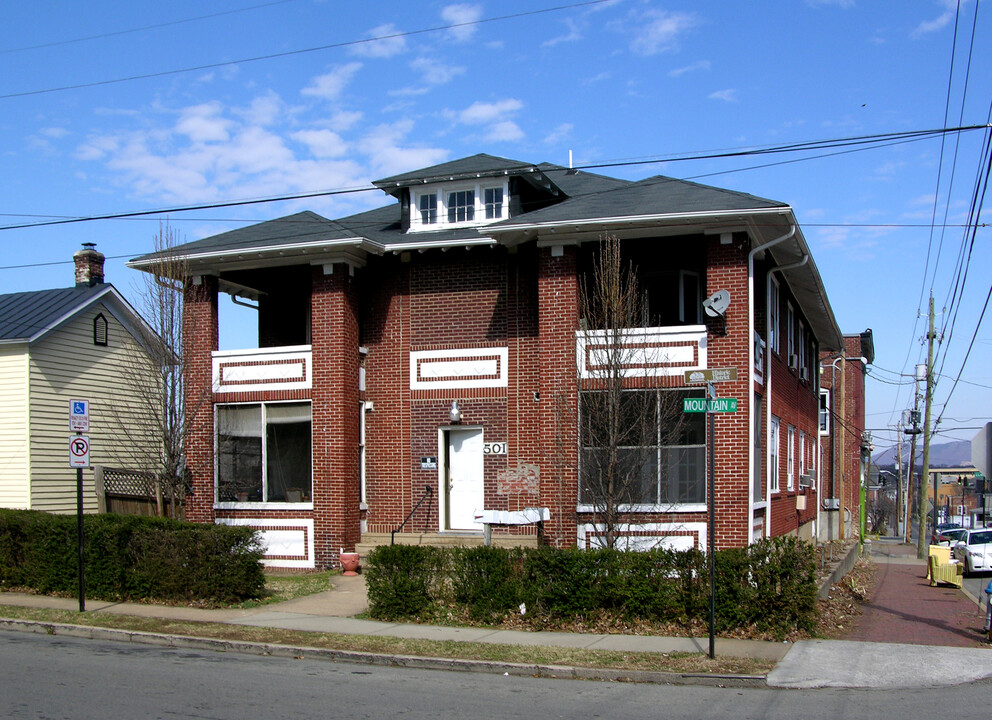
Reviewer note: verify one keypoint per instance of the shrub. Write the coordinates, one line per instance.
(129, 558)
(404, 581)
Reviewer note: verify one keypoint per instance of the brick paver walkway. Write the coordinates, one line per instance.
(905, 609)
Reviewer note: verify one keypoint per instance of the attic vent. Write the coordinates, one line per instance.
(100, 330)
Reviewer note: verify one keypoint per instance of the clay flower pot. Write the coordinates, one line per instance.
(349, 563)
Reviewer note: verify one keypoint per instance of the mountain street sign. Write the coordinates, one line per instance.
(698, 405)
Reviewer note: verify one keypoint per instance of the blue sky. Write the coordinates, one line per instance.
(292, 97)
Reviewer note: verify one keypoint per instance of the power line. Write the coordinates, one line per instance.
(116, 33)
(792, 147)
(303, 51)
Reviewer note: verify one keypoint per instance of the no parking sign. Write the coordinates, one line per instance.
(79, 451)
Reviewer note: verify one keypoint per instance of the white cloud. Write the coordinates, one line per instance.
(701, 65)
(597, 78)
(381, 45)
(659, 30)
(330, 85)
(264, 110)
(460, 15)
(572, 35)
(436, 72)
(479, 113)
(559, 134)
(382, 145)
(344, 120)
(203, 123)
(729, 95)
(505, 131)
(322, 143)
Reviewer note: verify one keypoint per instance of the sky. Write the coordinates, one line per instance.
(114, 107)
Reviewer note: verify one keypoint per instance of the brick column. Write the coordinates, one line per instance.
(199, 342)
(336, 472)
(726, 269)
(558, 313)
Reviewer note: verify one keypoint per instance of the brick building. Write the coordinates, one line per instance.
(429, 361)
(845, 446)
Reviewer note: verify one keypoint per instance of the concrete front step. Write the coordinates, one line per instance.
(446, 539)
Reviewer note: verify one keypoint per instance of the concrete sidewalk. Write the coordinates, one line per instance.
(909, 636)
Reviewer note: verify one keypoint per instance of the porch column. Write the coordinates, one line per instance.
(200, 339)
(336, 472)
(558, 313)
(726, 269)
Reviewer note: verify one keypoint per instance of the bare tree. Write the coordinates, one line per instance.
(155, 371)
(630, 425)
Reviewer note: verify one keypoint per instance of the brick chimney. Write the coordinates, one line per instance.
(89, 266)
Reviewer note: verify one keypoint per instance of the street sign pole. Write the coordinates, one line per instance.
(711, 544)
(79, 539)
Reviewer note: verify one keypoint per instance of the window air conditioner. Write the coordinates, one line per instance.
(804, 373)
(793, 361)
(805, 481)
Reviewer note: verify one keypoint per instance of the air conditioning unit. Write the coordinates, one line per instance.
(805, 481)
(804, 373)
(793, 361)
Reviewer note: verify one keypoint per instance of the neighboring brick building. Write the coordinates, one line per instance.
(844, 447)
(426, 352)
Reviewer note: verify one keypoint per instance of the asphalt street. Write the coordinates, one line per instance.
(55, 677)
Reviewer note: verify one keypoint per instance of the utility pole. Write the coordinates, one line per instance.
(899, 477)
(923, 542)
(931, 336)
(913, 432)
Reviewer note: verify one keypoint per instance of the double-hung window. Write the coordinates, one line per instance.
(428, 209)
(461, 206)
(494, 203)
(773, 447)
(774, 330)
(264, 453)
(790, 460)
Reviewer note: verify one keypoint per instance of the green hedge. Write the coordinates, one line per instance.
(770, 585)
(130, 558)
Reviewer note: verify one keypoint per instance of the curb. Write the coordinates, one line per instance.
(380, 659)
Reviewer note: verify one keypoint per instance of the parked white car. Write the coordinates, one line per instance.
(974, 549)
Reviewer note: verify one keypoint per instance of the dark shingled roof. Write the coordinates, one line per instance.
(25, 314)
(474, 166)
(653, 196)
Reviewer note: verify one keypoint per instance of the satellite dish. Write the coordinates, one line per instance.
(717, 303)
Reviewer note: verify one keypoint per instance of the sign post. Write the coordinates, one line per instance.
(79, 458)
(711, 405)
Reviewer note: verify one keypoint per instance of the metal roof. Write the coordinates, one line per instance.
(24, 316)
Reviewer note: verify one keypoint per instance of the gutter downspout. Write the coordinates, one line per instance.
(750, 385)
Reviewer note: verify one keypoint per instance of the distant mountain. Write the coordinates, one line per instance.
(952, 454)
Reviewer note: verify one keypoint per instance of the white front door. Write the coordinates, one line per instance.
(464, 489)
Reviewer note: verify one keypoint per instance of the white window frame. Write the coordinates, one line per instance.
(802, 452)
(263, 405)
(823, 416)
(773, 449)
(790, 459)
(790, 328)
(801, 350)
(442, 191)
(773, 317)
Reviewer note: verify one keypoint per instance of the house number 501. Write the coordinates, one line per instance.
(494, 448)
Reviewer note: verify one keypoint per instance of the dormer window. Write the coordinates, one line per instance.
(461, 206)
(458, 205)
(428, 209)
(494, 203)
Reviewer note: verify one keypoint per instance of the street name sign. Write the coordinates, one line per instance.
(713, 375)
(698, 405)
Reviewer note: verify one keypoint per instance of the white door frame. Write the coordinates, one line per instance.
(443, 439)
